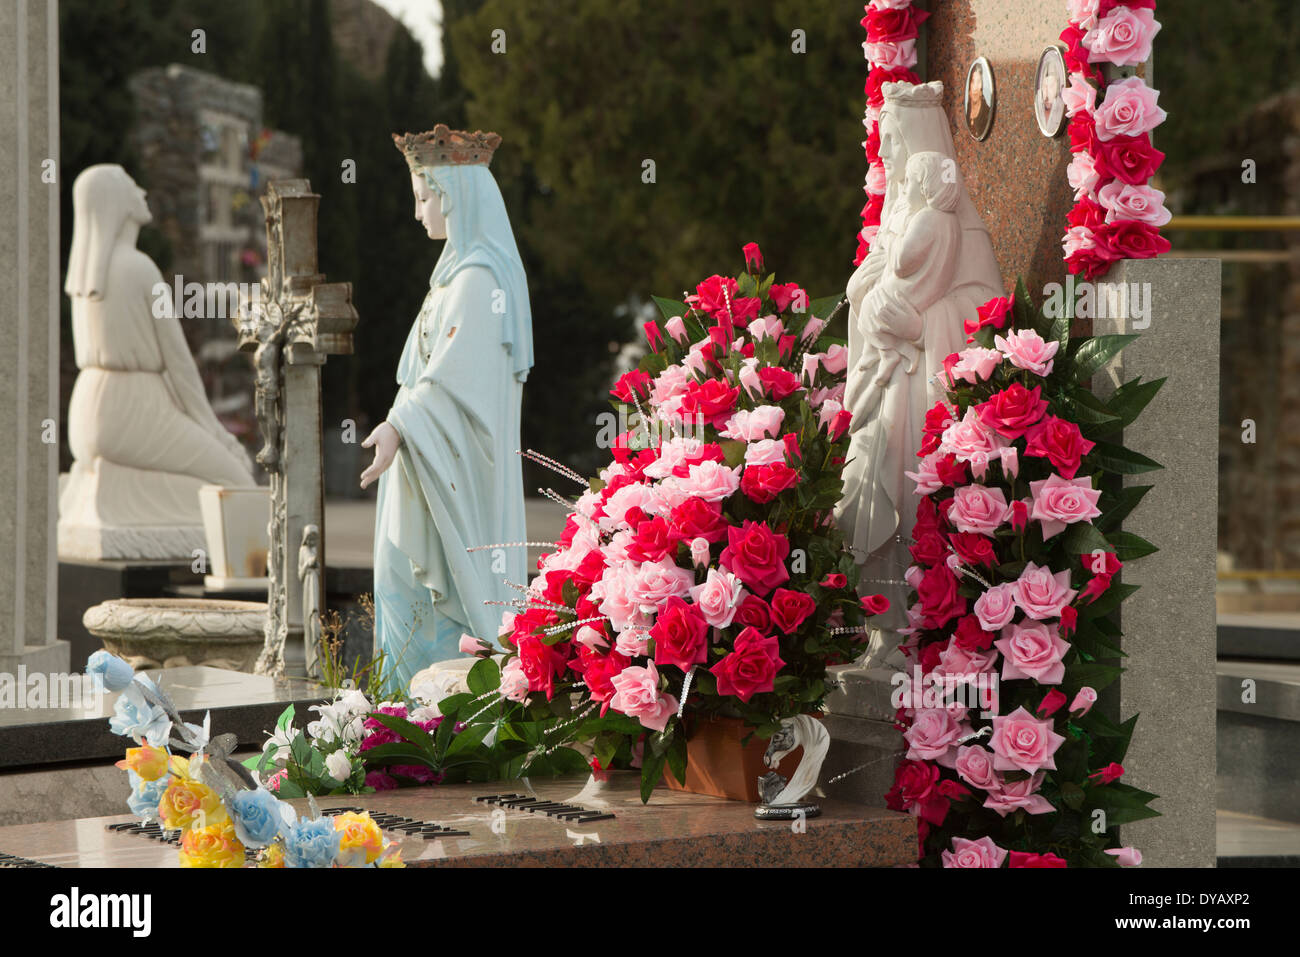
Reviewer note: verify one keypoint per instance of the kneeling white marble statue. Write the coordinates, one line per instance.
(930, 268)
(143, 436)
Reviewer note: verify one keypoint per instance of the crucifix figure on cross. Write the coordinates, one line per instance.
(297, 322)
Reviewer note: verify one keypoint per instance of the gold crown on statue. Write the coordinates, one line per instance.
(441, 146)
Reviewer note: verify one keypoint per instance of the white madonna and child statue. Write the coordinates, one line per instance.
(142, 434)
(450, 478)
(931, 266)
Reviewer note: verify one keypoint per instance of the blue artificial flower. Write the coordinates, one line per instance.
(145, 795)
(136, 718)
(115, 673)
(311, 843)
(258, 816)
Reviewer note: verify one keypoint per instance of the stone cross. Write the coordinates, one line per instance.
(296, 323)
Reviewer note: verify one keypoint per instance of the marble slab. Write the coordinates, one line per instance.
(675, 829)
(242, 704)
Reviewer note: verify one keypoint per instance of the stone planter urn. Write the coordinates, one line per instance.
(176, 632)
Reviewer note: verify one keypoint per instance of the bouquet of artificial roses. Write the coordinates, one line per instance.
(1017, 547)
(702, 571)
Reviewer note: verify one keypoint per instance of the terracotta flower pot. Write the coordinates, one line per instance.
(717, 763)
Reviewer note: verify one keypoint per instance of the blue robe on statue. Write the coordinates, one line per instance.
(456, 481)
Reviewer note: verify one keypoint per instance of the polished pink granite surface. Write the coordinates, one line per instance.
(675, 829)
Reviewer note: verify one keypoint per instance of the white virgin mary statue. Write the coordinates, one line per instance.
(142, 434)
(445, 457)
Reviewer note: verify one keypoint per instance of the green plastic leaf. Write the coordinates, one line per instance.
(1093, 353)
(1116, 458)
(483, 677)
(1132, 397)
(1129, 546)
(652, 770)
(669, 307)
(1125, 500)
(823, 307)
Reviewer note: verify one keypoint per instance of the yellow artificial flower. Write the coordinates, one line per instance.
(361, 841)
(272, 856)
(392, 857)
(213, 846)
(186, 803)
(149, 763)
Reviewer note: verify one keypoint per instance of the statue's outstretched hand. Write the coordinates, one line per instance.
(385, 440)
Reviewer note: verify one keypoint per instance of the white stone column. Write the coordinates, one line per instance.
(1169, 625)
(29, 352)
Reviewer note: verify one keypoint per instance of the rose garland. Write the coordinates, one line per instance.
(1117, 215)
(1016, 548)
(890, 48)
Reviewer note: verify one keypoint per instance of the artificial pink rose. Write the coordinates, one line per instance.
(766, 327)
(1122, 37)
(969, 438)
(1027, 350)
(469, 645)
(1032, 650)
(633, 641)
(757, 555)
(1082, 13)
(591, 637)
(761, 423)
(932, 733)
(1080, 96)
(711, 481)
(1022, 742)
(676, 327)
(891, 56)
(836, 359)
(700, 552)
(812, 329)
(1040, 594)
(1058, 502)
(681, 635)
(975, 364)
(718, 597)
(1126, 856)
(974, 764)
(1084, 176)
(966, 853)
(750, 668)
(927, 478)
(1010, 796)
(636, 694)
(1086, 252)
(1129, 109)
(1083, 702)
(964, 664)
(514, 683)
(656, 582)
(978, 509)
(1138, 203)
(765, 452)
(996, 607)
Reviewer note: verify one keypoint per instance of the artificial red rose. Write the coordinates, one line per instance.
(597, 668)
(1106, 6)
(940, 602)
(974, 549)
(1076, 54)
(969, 636)
(753, 612)
(875, 205)
(697, 518)
(877, 77)
(938, 417)
(653, 539)
(751, 667)
(1130, 239)
(782, 294)
(914, 782)
(892, 25)
(1026, 859)
(1012, 411)
(839, 425)
(1086, 213)
(1110, 773)
(834, 580)
(745, 310)
(713, 294)
(762, 483)
(1092, 260)
(951, 472)
(542, 663)
(929, 657)
(1083, 134)
(529, 621)
(791, 441)
(1095, 588)
(778, 382)
(993, 313)
(1051, 703)
(653, 337)
(875, 604)
(1069, 619)
(790, 609)
(681, 635)
(785, 346)
(1101, 562)
(753, 257)
(943, 509)
(953, 790)
(636, 381)
(588, 570)
(1130, 159)
(927, 516)
(928, 547)
(756, 555)
(721, 339)
(712, 398)
(1060, 442)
